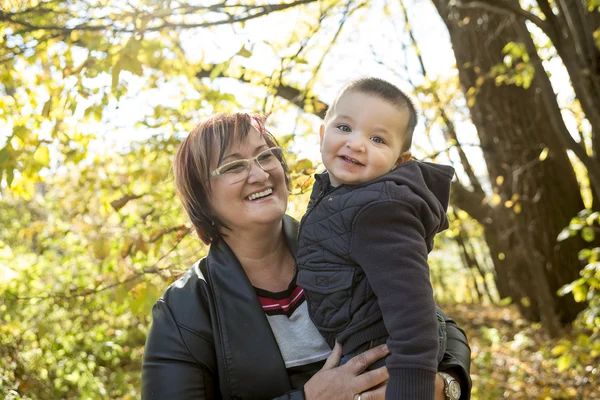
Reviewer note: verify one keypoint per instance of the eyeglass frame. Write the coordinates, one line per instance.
(253, 160)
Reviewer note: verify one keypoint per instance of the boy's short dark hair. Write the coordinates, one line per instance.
(386, 91)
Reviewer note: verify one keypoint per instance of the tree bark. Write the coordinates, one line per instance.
(537, 198)
(571, 30)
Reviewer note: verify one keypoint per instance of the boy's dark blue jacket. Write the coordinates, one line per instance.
(362, 258)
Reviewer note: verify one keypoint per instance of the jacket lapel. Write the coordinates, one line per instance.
(251, 363)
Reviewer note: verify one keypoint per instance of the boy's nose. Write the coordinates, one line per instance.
(355, 143)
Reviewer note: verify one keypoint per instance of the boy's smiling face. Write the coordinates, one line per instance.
(363, 139)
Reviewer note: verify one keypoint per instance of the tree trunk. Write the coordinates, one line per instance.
(571, 30)
(535, 199)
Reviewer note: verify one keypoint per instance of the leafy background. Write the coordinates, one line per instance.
(96, 96)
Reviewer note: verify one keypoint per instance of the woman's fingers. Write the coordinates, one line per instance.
(334, 358)
(362, 361)
(371, 380)
(375, 394)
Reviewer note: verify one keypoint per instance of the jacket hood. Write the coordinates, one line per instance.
(424, 179)
(428, 180)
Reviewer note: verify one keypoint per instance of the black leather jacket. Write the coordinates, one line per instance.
(210, 338)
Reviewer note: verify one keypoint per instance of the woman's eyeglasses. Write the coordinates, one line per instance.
(238, 170)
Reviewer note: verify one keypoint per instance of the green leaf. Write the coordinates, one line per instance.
(115, 77)
(10, 176)
(588, 234)
(47, 108)
(42, 156)
(144, 296)
(217, 70)
(4, 155)
(244, 52)
(132, 65)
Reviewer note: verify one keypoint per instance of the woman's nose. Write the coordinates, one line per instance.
(257, 174)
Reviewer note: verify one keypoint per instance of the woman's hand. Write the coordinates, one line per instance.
(439, 388)
(348, 381)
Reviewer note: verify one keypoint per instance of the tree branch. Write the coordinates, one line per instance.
(264, 10)
(450, 129)
(504, 7)
(292, 94)
(473, 203)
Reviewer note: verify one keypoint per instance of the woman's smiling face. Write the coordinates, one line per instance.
(232, 202)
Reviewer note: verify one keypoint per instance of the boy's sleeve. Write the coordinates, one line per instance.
(388, 242)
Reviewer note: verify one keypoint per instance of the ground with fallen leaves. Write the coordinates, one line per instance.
(515, 359)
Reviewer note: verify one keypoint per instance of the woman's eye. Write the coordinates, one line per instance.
(265, 157)
(234, 168)
(378, 140)
(344, 128)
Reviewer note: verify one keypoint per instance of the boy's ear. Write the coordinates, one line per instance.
(321, 133)
(404, 157)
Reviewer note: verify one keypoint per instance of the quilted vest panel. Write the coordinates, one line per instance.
(337, 292)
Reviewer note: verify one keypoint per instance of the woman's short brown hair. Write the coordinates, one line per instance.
(192, 163)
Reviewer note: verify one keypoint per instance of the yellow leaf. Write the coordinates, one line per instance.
(470, 101)
(141, 245)
(563, 362)
(496, 199)
(126, 248)
(303, 164)
(101, 248)
(480, 81)
(499, 180)
(544, 154)
(560, 349)
(42, 156)
(518, 208)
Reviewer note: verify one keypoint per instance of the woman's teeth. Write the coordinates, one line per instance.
(258, 195)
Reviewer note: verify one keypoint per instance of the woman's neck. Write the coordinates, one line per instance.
(265, 256)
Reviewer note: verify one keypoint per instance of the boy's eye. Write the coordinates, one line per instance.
(344, 128)
(378, 140)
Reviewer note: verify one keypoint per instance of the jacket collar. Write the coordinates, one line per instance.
(248, 357)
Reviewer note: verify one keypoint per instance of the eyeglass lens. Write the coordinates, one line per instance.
(238, 171)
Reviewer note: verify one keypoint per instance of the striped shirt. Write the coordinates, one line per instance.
(302, 347)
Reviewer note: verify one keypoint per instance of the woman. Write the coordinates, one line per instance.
(236, 326)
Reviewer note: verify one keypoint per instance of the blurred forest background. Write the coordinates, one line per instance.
(95, 96)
